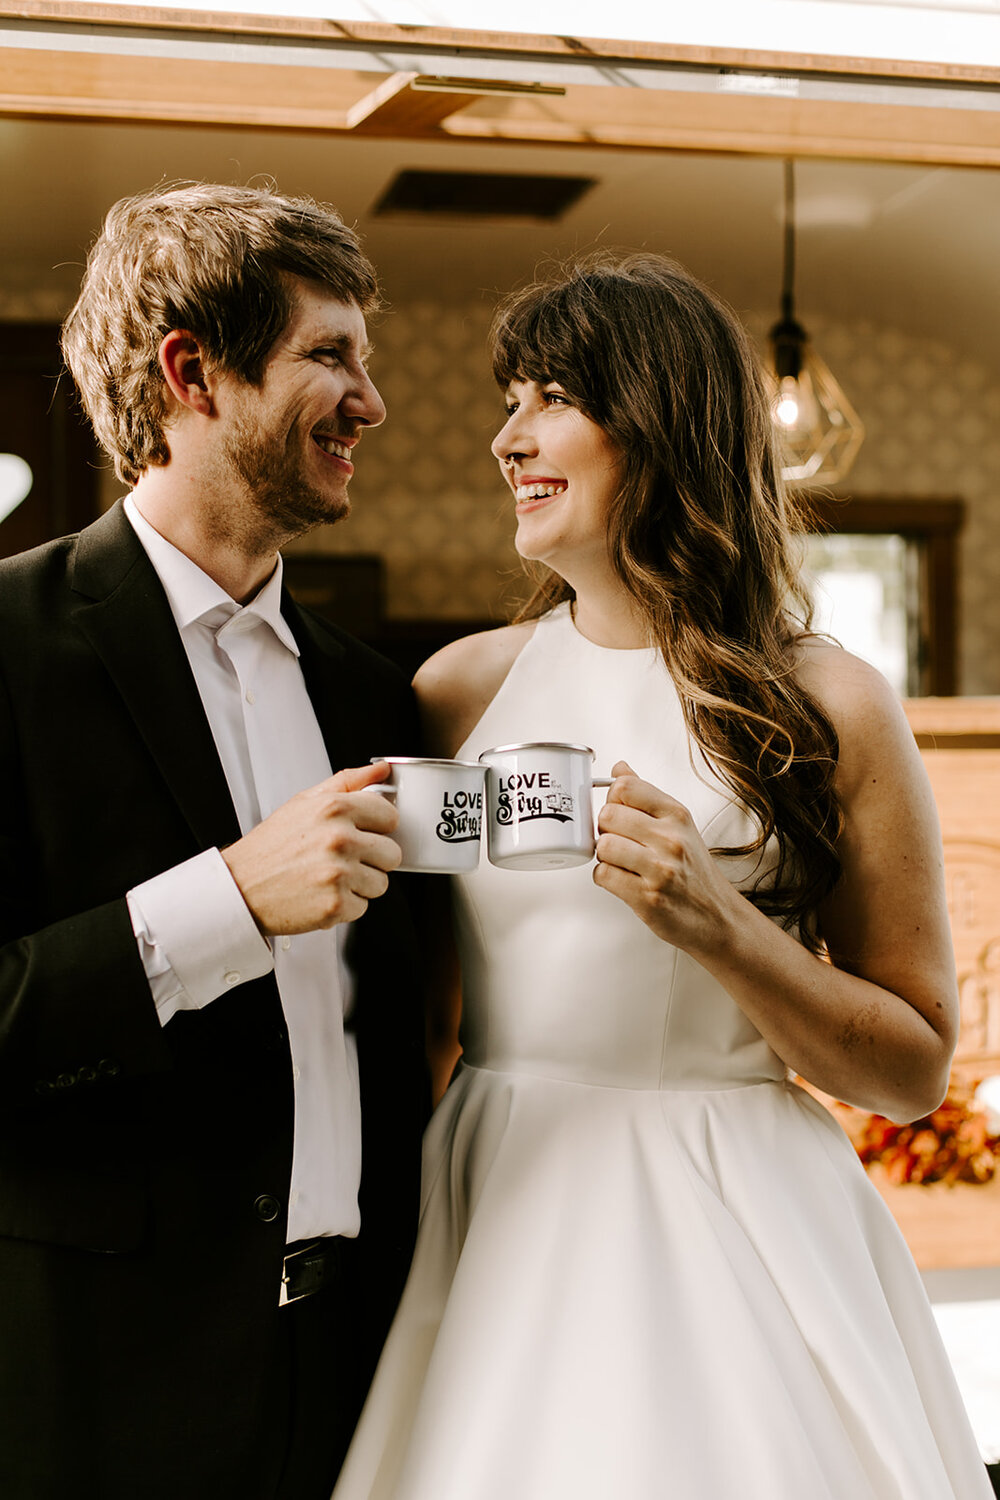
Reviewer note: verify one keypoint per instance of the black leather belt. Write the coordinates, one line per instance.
(309, 1266)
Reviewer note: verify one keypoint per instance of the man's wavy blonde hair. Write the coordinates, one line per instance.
(215, 260)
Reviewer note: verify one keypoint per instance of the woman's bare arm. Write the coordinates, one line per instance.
(878, 1025)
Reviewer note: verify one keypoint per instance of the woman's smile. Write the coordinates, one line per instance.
(530, 492)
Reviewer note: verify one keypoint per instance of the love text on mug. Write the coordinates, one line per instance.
(460, 818)
(533, 796)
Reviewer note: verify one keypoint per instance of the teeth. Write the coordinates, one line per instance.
(331, 445)
(538, 491)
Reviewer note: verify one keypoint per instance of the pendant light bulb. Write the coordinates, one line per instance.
(817, 429)
(795, 410)
(787, 406)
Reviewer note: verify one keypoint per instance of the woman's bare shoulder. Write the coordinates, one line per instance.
(455, 686)
(864, 709)
(841, 682)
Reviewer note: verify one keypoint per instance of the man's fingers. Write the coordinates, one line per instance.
(379, 853)
(375, 813)
(356, 778)
(370, 882)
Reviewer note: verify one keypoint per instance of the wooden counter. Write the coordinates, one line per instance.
(959, 739)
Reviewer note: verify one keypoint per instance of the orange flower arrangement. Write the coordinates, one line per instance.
(954, 1144)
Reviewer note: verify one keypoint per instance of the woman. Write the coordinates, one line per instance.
(650, 1263)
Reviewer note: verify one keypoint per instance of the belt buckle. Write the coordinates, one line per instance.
(289, 1266)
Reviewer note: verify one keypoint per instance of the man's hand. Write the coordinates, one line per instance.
(321, 857)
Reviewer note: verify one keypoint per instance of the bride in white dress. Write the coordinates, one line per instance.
(649, 1263)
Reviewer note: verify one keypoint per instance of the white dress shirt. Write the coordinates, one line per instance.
(196, 936)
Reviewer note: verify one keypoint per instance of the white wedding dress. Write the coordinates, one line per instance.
(648, 1264)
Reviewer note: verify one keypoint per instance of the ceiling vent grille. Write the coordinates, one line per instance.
(482, 195)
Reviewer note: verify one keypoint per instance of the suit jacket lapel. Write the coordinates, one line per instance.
(124, 613)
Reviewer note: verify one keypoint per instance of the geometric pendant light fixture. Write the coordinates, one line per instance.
(819, 432)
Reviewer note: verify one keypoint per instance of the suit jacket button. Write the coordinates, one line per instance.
(65, 1080)
(267, 1207)
(86, 1074)
(109, 1067)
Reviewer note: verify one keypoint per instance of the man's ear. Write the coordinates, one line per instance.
(183, 366)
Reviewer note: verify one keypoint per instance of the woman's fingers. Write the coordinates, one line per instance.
(630, 790)
(651, 855)
(620, 882)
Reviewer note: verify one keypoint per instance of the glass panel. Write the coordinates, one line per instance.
(866, 592)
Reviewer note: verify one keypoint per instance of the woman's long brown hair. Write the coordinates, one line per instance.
(701, 534)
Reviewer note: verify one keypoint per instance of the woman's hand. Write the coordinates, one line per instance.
(651, 856)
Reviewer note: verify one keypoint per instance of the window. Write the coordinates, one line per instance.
(885, 584)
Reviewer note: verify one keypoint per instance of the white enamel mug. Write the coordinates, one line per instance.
(539, 807)
(440, 806)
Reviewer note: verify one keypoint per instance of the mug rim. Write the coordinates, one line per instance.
(537, 745)
(424, 760)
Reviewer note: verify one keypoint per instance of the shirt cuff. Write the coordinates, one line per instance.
(196, 936)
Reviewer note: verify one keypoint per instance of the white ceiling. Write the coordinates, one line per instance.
(907, 246)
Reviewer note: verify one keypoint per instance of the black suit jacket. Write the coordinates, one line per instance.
(139, 1252)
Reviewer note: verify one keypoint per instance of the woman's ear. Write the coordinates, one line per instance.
(183, 366)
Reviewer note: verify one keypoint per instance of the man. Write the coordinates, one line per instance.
(207, 978)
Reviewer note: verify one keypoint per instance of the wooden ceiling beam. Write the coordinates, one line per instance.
(383, 35)
(396, 109)
(758, 127)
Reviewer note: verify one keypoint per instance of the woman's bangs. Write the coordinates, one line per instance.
(530, 343)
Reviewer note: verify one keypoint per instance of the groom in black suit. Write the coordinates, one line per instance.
(211, 1074)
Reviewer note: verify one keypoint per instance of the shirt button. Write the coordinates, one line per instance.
(293, 1198)
(251, 696)
(296, 1073)
(233, 977)
(286, 943)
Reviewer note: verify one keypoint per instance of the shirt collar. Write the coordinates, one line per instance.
(193, 596)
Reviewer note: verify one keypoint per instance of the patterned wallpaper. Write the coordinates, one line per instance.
(427, 494)
(428, 498)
